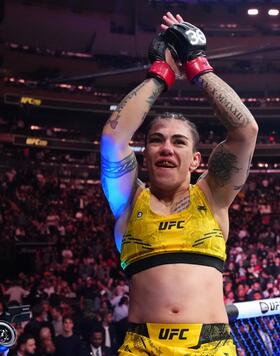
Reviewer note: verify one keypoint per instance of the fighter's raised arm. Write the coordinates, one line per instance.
(229, 163)
(119, 165)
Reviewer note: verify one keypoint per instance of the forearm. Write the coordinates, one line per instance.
(131, 112)
(232, 113)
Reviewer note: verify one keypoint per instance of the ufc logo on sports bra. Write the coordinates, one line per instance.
(168, 225)
(169, 334)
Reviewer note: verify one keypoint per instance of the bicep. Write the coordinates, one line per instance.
(228, 169)
(118, 179)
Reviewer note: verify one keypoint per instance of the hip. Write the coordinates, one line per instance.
(178, 339)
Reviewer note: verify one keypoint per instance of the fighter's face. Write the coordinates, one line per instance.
(169, 155)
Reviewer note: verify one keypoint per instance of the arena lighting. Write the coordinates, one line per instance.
(253, 12)
(273, 12)
(113, 107)
(66, 86)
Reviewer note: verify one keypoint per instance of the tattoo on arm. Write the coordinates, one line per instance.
(152, 98)
(226, 103)
(118, 169)
(114, 119)
(222, 165)
(238, 187)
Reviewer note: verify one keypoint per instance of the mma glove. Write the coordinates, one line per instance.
(159, 68)
(188, 44)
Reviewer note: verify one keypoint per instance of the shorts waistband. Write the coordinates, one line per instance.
(190, 335)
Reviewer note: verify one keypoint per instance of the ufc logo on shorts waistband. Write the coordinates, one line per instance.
(169, 334)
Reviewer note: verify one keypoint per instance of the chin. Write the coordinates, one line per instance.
(165, 183)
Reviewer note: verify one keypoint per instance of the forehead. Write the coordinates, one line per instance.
(171, 127)
(96, 334)
(68, 321)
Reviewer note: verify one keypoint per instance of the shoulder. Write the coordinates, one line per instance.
(123, 219)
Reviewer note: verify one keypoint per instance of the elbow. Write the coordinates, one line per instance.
(110, 138)
(107, 146)
(245, 134)
(253, 129)
(250, 131)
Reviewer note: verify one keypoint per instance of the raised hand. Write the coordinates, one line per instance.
(163, 66)
(170, 20)
(188, 43)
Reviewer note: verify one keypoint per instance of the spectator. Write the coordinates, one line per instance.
(16, 293)
(95, 346)
(68, 343)
(110, 332)
(37, 321)
(121, 309)
(265, 337)
(57, 320)
(26, 346)
(46, 345)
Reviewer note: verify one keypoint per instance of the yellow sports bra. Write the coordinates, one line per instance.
(190, 236)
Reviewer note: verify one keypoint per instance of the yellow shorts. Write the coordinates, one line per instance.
(178, 339)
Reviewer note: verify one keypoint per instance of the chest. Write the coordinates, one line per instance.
(148, 223)
(163, 209)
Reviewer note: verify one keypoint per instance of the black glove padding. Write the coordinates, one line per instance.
(157, 48)
(160, 69)
(185, 41)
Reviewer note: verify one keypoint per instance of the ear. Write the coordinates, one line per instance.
(195, 161)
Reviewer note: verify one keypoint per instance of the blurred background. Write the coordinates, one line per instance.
(64, 66)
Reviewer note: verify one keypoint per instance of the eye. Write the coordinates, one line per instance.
(180, 142)
(154, 140)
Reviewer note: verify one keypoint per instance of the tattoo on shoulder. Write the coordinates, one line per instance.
(120, 168)
(222, 165)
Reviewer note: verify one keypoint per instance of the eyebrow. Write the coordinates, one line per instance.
(174, 136)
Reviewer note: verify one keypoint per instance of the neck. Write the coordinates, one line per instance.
(96, 347)
(169, 197)
(68, 333)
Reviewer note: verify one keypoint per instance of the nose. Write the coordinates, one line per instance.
(166, 148)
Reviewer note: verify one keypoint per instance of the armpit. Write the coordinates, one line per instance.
(222, 165)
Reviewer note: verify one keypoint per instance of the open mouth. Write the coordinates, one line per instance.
(165, 164)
